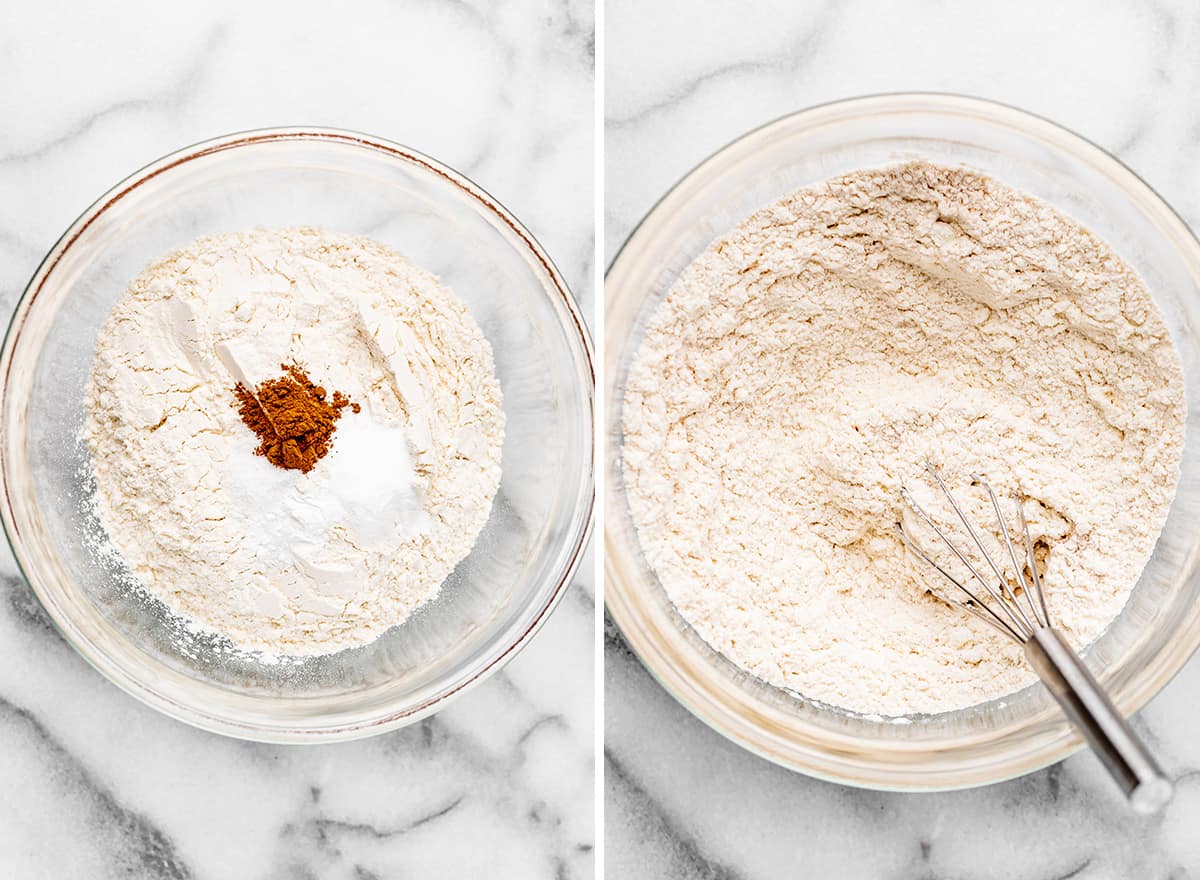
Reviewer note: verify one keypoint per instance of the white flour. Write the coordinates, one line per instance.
(809, 361)
(278, 560)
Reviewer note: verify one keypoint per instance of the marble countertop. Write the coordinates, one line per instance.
(683, 79)
(93, 784)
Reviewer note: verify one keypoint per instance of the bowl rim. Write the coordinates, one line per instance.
(577, 541)
(1050, 747)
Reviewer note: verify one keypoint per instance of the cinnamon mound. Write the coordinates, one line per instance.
(293, 418)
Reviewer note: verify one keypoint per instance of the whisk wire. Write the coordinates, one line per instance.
(973, 606)
(1015, 622)
(1014, 611)
(928, 520)
(1034, 577)
(1036, 622)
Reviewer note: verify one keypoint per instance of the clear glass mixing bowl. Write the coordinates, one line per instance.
(1159, 629)
(494, 601)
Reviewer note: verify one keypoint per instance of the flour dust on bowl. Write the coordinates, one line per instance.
(297, 432)
(805, 322)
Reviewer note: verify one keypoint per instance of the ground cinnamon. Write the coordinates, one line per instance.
(292, 417)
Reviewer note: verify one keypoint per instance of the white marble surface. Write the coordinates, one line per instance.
(682, 79)
(92, 784)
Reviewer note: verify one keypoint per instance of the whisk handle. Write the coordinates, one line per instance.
(1093, 714)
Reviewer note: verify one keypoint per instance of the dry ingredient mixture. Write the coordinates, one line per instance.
(245, 492)
(808, 363)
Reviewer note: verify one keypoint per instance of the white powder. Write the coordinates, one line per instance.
(807, 363)
(277, 560)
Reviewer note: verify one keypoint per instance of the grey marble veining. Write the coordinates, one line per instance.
(93, 784)
(681, 81)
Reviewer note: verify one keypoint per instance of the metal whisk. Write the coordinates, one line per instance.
(1017, 608)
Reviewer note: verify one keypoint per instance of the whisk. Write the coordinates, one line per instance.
(1017, 609)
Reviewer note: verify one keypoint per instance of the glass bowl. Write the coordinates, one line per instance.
(1160, 627)
(498, 596)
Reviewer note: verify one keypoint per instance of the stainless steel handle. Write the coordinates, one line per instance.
(1094, 716)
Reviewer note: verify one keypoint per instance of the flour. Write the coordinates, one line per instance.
(806, 364)
(277, 560)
